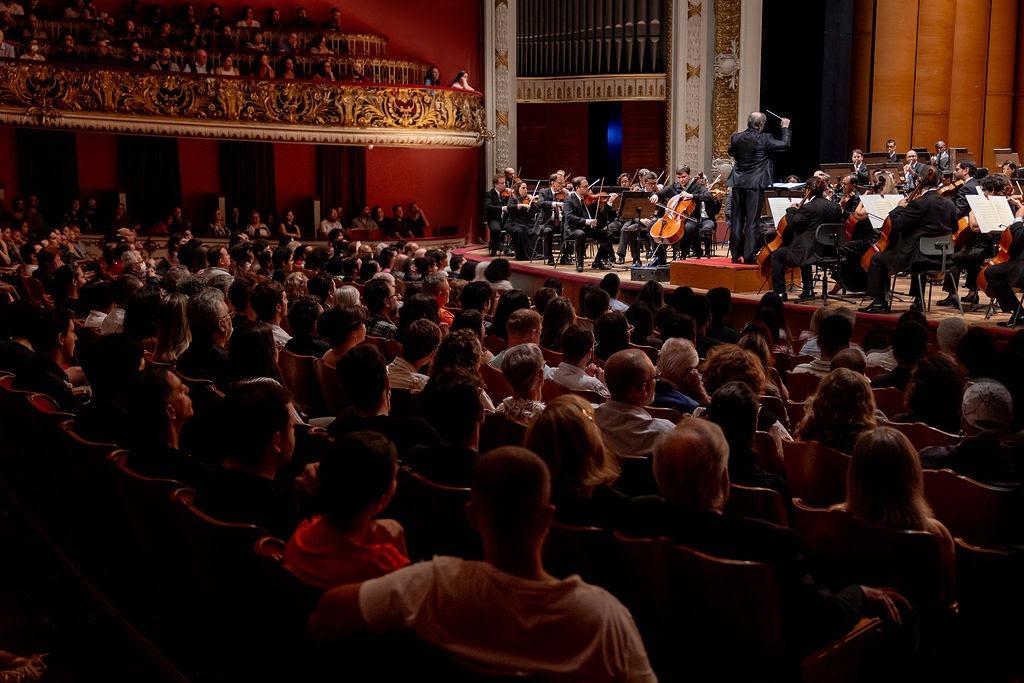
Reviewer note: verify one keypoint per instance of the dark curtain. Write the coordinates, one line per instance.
(247, 177)
(341, 179)
(48, 168)
(149, 174)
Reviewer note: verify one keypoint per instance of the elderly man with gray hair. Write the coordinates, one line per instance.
(523, 367)
(627, 428)
(680, 385)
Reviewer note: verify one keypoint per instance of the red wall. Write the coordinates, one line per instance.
(199, 164)
(295, 173)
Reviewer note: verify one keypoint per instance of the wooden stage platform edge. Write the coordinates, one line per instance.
(531, 276)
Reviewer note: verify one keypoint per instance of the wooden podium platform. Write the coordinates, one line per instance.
(721, 272)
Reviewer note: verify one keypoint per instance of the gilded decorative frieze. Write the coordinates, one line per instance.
(592, 88)
(48, 95)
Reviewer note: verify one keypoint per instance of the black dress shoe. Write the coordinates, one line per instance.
(622, 260)
(550, 262)
(1009, 323)
(948, 301)
(737, 259)
(600, 265)
(637, 263)
(971, 298)
(579, 267)
(876, 307)
(918, 306)
(805, 295)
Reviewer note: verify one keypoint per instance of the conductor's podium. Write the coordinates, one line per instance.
(720, 271)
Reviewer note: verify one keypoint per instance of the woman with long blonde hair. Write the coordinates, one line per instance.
(172, 331)
(566, 437)
(840, 410)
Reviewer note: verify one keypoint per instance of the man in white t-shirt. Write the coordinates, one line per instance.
(504, 614)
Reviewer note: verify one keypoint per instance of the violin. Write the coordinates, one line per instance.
(883, 241)
(764, 256)
(949, 189)
(597, 197)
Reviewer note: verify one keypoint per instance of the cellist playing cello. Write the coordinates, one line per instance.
(924, 214)
(1001, 278)
(798, 241)
(972, 246)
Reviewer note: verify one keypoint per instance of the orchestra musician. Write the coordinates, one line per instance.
(798, 240)
(851, 276)
(634, 230)
(890, 150)
(521, 211)
(611, 210)
(548, 202)
(924, 214)
(579, 225)
(703, 216)
(860, 169)
(510, 179)
(941, 160)
(1003, 277)
(981, 246)
(913, 170)
(494, 213)
(752, 174)
(687, 187)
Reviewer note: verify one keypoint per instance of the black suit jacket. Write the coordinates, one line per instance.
(546, 201)
(813, 615)
(803, 224)
(574, 213)
(862, 174)
(942, 162)
(970, 187)
(492, 204)
(753, 154)
(927, 216)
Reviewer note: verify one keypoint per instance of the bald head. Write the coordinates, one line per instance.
(511, 488)
(629, 375)
(691, 465)
(756, 120)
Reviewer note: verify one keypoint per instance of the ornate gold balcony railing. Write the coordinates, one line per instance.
(156, 103)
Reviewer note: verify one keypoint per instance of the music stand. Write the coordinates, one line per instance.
(637, 206)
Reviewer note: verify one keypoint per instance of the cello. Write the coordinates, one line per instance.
(669, 228)
(1002, 256)
(883, 240)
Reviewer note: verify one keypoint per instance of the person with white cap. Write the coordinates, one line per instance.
(987, 417)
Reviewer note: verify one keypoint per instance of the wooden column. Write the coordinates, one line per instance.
(860, 73)
(933, 73)
(1002, 53)
(892, 101)
(967, 87)
(1018, 106)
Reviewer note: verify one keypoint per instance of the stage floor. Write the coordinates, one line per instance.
(531, 276)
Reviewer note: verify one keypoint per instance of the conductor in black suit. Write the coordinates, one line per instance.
(579, 225)
(926, 215)
(798, 240)
(752, 173)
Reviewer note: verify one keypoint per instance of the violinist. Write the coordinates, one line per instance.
(798, 241)
(494, 211)
(851, 276)
(521, 211)
(979, 246)
(550, 220)
(860, 169)
(510, 181)
(579, 225)
(610, 210)
(924, 214)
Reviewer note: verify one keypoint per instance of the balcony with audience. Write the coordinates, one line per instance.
(154, 70)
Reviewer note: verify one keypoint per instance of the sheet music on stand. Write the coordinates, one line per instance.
(992, 213)
(878, 207)
(778, 205)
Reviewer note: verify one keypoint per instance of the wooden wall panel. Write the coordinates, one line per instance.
(860, 73)
(933, 73)
(643, 137)
(892, 103)
(1002, 51)
(967, 88)
(552, 136)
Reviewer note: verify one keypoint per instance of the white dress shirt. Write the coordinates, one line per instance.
(628, 429)
(576, 378)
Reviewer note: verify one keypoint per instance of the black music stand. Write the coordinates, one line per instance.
(637, 206)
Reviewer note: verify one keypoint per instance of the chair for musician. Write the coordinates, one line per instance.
(940, 248)
(828, 241)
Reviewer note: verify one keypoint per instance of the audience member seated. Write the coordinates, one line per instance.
(536, 624)
(343, 541)
(840, 411)
(344, 328)
(110, 366)
(833, 336)
(949, 333)
(558, 316)
(260, 418)
(729, 363)
(270, 304)
(382, 308)
(478, 296)
(611, 334)
(437, 287)
(627, 428)
(509, 302)
(252, 354)
(53, 342)
(98, 298)
(734, 408)
(363, 377)
(851, 359)
(523, 367)
(451, 404)
(523, 327)
(877, 346)
(934, 393)
(885, 486)
(720, 300)
(303, 315)
(692, 472)
(121, 290)
(981, 454)
(19, 321)
(576, 372)
(158, 406)
(172, 333)
(583, 473)
(420, 341)
(909, 345)
(641, 319)
(209, 321)
(679, 385)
